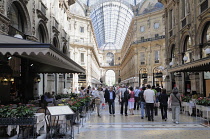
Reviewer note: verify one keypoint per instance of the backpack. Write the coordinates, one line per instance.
(141, 96)
(126, 95)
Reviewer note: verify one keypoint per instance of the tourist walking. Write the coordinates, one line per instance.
(156, 101)
(136, 103)
(149, 96)
(163, 99)
(123, 100)
(99, 99)
(175, 100)
(131, 100)
(142, 102)
(109, 98)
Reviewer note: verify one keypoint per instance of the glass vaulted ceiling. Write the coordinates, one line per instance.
(111, 20)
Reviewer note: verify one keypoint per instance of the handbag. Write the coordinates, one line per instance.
(97, 101)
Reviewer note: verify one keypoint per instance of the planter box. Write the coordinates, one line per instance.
(198, 107)
(185, 104)
(17, 121)
(205, 108)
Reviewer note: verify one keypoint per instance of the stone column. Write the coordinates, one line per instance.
(89, 68)
(178, 81)
(4, 24)
(194, 79)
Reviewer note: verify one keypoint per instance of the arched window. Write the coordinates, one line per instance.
(16, 18)
(65, 49)
(187, 43)
(187, 54)
(206, 41)
(110, 58)
(173, 51)
(55, 42)
(41, 34)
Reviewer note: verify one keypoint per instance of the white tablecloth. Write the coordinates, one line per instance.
(39, 124)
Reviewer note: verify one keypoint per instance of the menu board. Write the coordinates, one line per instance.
(60, 110)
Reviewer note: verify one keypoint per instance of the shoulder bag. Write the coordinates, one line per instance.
(179, 101)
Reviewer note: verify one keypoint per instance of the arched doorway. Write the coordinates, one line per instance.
(157, 77)
(110, 78)
(142, 77)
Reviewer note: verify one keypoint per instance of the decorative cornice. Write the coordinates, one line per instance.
(41, 15)
(55, 30)
(32, 38)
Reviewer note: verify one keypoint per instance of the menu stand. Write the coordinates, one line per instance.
(52, 120)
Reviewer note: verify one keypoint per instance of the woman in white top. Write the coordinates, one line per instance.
(99, 99)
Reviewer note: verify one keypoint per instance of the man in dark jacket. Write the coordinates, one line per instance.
(110, 97)
(142, 103)
(163, 99)
(123, 100)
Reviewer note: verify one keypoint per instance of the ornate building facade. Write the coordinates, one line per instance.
(143, 52)
(40, 21)
(129, 40)
(187, 45)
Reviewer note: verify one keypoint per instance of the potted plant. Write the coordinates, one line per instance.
(22, 115)
(185, 100)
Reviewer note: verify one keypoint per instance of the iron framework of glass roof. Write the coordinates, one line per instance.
(93, 2)
(111, 20)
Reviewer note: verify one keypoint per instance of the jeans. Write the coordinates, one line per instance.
(143, 109)
(150, 107)
(98, 108)
(164, 111)
(111, 107)
(175, 113)
(136, 104)
(124, 102)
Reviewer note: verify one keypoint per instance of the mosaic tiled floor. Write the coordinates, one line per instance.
(133, 127)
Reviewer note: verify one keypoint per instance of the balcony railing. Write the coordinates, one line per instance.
(81, 42)
(149, 39)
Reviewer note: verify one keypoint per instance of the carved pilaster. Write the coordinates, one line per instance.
(33, 20)
(2, 6)
(4, 24)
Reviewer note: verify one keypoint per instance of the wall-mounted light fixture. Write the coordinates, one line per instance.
(18, 36)
(185, 58)
(171, 63)
(207, 51)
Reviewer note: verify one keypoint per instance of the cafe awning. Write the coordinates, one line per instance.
(195, 66)
(45, 57)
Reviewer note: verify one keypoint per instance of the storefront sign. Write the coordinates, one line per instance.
(82, 78)
(159, 75)
(144, 75)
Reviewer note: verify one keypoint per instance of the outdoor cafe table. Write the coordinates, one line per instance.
(40, 122)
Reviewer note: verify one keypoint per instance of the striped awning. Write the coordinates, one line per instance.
(195, 66)
(46, 57)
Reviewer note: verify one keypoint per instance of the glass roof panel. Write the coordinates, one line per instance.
(94, 2)
(111, 20)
